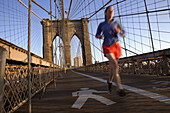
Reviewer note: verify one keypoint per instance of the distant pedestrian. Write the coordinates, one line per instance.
(111, 46)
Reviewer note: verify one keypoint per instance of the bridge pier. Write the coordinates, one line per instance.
(72, 27)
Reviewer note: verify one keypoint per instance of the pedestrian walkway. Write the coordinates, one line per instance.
(91, 90)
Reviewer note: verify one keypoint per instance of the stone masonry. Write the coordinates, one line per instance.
(72, 27)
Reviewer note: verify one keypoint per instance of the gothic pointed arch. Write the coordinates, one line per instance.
(72, 27)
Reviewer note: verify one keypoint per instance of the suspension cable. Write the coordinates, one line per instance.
(98, 24)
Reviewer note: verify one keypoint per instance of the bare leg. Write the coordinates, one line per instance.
(111, 73)
(114, 70)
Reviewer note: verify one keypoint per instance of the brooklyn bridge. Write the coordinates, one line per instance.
(52, 62)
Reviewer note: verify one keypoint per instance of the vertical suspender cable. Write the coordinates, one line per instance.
(82, 10)
(98, 24)
(121, 23)
(140, 26)
(149, 24)
(56, 38)
(85, 15)
(55, 9)
(63, 19)
(131, 1)
(29, 55)
(69, 9)
(52, 41)
(157, 25)
(92, 36)
(60, 46)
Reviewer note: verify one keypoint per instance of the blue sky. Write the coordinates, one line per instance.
(14, 24)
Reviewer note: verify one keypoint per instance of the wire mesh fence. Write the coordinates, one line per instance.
(146, 23)
(16, 84)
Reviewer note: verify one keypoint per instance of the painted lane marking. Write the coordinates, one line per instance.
(86, 93)
(155, 96)
(161, 85)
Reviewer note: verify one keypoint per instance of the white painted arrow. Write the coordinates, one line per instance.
(86, 93)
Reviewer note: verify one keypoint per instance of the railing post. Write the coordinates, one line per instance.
(3, 52)
(39, 74)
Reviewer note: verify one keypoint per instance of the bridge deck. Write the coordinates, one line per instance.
(60, 99)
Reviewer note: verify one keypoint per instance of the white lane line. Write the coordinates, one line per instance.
(155, 96)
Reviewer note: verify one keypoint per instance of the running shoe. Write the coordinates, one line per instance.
(121, 92)
(109, 87)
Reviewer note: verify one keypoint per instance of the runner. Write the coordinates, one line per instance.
(111, 47)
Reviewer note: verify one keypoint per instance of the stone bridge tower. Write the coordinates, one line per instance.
(72, 27)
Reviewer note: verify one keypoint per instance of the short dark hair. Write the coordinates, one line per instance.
(106, 10)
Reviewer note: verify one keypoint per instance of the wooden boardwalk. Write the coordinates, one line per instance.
(146, 94)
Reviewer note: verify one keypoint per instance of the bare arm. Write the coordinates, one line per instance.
(119, 29)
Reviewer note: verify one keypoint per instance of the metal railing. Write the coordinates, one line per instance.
(153, 63)
(16, 84)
